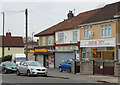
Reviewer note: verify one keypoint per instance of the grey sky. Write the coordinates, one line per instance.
(41, 14)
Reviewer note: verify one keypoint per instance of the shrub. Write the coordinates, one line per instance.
(7, 58)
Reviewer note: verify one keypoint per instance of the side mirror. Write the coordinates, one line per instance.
(25, 65)
(69, 63)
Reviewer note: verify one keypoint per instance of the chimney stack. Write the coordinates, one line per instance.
(70, 15)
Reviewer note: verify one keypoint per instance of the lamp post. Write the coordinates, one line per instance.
(32, 39)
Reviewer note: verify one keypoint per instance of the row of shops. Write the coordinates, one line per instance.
(100, 49)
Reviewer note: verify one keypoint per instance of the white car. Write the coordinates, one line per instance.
(31, 68)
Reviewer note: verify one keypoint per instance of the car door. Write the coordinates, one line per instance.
(21, 67)
(63, 64)
(68, 65)
(25, 67)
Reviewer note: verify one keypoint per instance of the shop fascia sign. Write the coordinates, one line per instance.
(31, 51)
(66, 47)
(98, 43)
(44, 50)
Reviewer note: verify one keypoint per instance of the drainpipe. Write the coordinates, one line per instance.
(115, 57)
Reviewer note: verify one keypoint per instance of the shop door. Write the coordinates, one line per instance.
(39, 58)
(46, 61)
(119, 53)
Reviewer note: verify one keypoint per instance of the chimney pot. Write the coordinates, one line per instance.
(8, 34)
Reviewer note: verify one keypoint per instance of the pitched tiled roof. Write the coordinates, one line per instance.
(12, 41)
(106, 13)
(66, 24)
(101, 14)
(33, 43)
(118, 13)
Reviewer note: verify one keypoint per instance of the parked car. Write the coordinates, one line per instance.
(31, 68)
(8, 67)
(17, 58)
(65, 65)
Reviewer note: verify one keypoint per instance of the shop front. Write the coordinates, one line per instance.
(63, 52)
(45, 56)
(100, 49)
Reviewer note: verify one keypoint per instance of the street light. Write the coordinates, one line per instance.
(32, 38)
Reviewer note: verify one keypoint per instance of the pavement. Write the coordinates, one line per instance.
(83, 78)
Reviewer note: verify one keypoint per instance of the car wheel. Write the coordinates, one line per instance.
(18, 73)
(5, 71)
(60, 69)
(28, 73)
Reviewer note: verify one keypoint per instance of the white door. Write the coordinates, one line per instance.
(40, 59)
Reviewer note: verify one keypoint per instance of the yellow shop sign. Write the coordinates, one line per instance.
(40, 50)
(31, 51)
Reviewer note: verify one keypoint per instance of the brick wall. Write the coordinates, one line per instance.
(117, 69)
(86, 67)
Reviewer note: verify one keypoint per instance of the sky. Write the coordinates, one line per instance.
(42, 14)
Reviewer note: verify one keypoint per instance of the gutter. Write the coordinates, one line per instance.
(43, 35)
(111, 20)
(116, 16)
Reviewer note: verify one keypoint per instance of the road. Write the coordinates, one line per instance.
(54, 76)
(12, 78)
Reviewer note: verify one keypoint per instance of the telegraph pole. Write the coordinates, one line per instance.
(3, 36)
(32, 39)
(26, 15)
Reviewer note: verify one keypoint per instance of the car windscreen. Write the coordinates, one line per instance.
(34, 64)
(20, 59)
(9, 64)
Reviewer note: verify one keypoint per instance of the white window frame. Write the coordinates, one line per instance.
(60, 37)
(39, 40)
(50, 40)
(105, 32)
(75, 36)
(43, 41)
(86, 32)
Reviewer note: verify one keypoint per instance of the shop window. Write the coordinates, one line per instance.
(106, 30)
(86, 33)
(101, 48)
(97, 54)
(110, 48)
(83, 53)
(60, 37)
(108, 55)
(75, 36)
(50, 40)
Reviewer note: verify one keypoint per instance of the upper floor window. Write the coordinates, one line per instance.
(43, 40)
(50, 40)
(106, 30)
(60, 37)
(86, 33)
(39, 41)
(75, 36)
